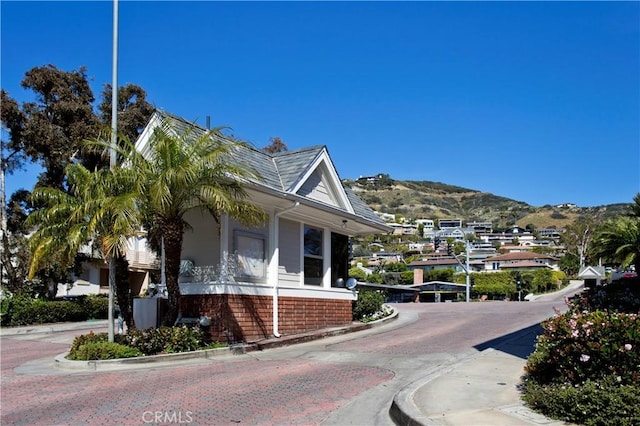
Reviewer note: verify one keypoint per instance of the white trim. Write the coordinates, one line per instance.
(224, 239)
(252, 289)
(326, 259)
(332, 179)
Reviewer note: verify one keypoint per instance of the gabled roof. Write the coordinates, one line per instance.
(592, 272)
(528, 264)
(434, 262)
(306, 173)
(517, 256)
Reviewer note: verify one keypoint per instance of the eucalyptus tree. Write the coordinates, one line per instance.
(100, 210)
(184, 170)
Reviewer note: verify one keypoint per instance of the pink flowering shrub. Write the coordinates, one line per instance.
(586, 365)
(581, 346)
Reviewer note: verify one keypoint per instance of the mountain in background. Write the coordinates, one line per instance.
(435, 200)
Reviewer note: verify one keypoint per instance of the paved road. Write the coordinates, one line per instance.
(349, 379)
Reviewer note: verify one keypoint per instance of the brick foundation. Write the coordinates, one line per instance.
(237, 318)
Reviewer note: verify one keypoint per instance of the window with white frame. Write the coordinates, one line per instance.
(313, 256)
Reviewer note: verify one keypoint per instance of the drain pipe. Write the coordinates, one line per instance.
(276, 256)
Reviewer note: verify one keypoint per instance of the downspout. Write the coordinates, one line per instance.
(276, 256)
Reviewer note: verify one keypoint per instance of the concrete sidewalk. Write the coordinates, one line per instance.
(479, 390)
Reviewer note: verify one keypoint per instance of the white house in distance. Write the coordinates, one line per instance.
(283, 277)
(520, 261)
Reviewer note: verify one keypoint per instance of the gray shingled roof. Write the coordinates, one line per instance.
(279, 171)
(292, 164)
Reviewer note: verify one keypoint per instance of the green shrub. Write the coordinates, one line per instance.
(151, 341)
(43, 312)
(13, 305)
(357, 273)
(166, 339)
(23, 310)
(368, 303)
(374, 278)
(83, 339)
(104, 350)
(592, 403)
(406, 277)
(497, 283)
(96, 307)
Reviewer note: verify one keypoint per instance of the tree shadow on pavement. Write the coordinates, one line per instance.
(520, 343)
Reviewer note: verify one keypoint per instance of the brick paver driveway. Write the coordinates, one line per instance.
(348, 379)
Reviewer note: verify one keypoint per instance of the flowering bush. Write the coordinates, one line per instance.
(619, 296)
(384, 312)
(586, 365)
(581, 346)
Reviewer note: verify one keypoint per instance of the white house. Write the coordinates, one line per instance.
(283, 277)
(520, 261)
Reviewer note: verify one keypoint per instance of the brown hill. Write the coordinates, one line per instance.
(436, 200)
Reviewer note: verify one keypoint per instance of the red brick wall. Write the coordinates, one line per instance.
(246, 318)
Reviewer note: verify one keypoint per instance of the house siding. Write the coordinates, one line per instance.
(201, 243)
(316, 189)
(289, 272)
(248, 318)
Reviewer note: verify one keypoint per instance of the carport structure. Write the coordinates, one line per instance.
(440, 291)
(432, 291)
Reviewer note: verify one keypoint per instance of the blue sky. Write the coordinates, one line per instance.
(535, 101)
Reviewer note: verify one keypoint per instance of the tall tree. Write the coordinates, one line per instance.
(60, 119)
(133, 109)
(51, 129)
(578, 237)
(186, 170)
(101, 209)
(275, 145)
(14, 253)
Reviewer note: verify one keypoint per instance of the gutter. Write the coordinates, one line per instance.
(276, 254)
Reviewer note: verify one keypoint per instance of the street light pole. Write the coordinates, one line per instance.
(465, 267)
(112, 157)
(468, 281)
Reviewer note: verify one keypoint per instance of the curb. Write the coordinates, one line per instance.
(403, 410)
(62, 362)
(277, 342)
(52, 328)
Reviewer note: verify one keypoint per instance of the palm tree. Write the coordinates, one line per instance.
(100, 208)
(185, 170)
(635, 207)
(618, 239)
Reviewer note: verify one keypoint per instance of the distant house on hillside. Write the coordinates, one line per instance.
(520, 261)
(433, 264)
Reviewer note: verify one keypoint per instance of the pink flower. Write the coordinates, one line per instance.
(584, 358)
(628, 346)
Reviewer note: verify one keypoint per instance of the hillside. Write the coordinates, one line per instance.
(435, 200)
